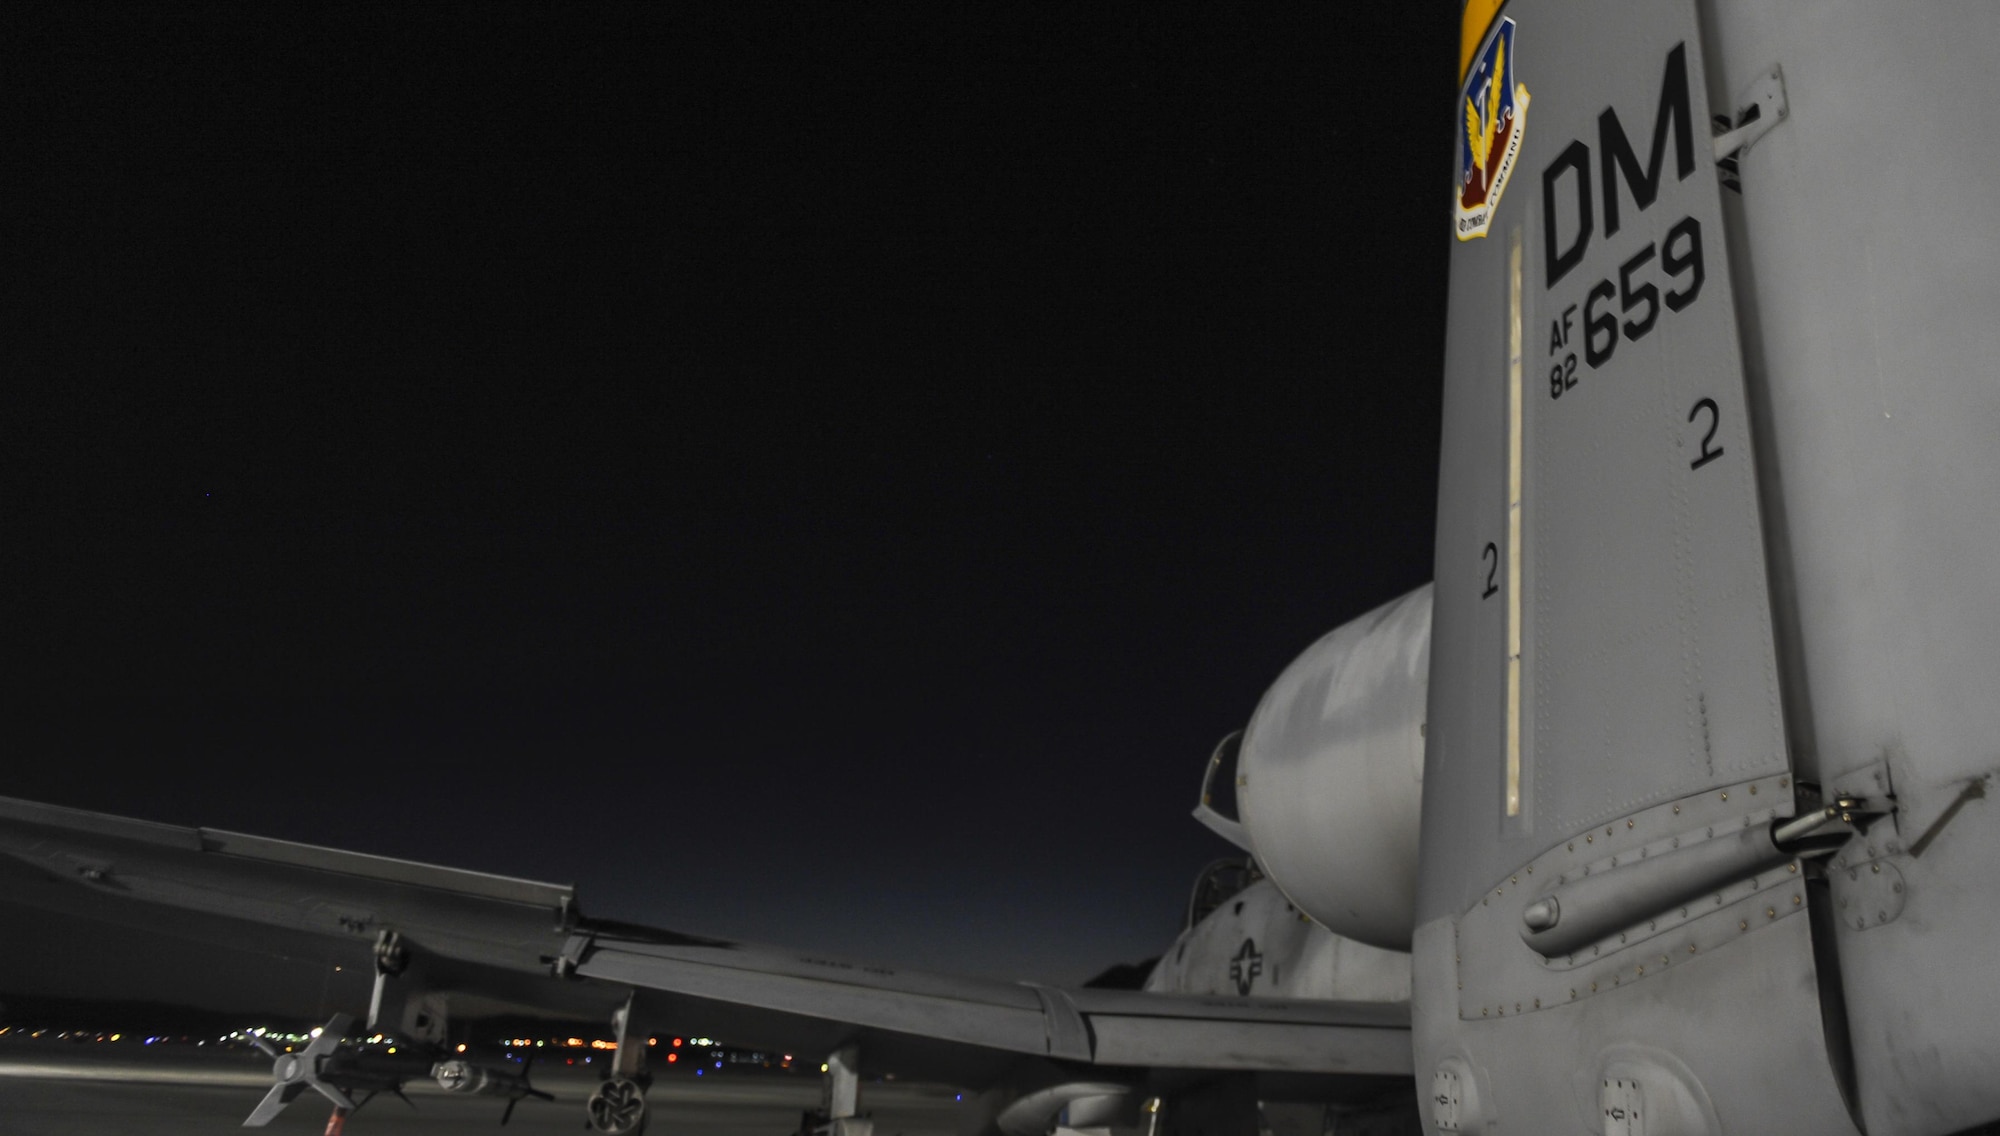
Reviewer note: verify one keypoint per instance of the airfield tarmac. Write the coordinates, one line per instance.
(75, 1090)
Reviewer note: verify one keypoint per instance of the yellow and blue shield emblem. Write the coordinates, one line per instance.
(1492, 113)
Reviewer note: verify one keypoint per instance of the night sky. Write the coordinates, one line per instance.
(822, 475)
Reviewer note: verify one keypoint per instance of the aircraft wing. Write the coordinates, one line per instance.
(468, 944)
(1104, 1027)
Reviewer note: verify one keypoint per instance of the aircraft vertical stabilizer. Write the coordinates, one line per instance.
(1601, 903)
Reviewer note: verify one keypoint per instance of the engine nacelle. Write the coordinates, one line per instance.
(1330, 778)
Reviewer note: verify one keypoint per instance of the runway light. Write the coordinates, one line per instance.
(392, 1049)
(317, 1030)
(677, 1043)
(652, 1041)
(461, 1045)
(698, 1072)
(673, 1057)
(116, 1036)
(576, 1043)
(822, 1066)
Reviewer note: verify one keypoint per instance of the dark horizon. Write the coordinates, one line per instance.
(813, 475)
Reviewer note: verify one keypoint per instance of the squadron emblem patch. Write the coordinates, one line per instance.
(1494, 116)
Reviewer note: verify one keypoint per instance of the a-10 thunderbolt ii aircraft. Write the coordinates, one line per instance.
(1670, 802)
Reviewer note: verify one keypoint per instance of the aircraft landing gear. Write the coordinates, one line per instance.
(618, 1107)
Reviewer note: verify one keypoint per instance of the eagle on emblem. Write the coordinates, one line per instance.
(1491, 138)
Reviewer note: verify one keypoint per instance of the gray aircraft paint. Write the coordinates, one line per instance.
(1330, 781)
(1857, 416)
(1870, 284)
(1648, 664)
(1257, 945)
(1648, 675)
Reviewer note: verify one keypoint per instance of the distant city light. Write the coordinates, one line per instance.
(713, 1054)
